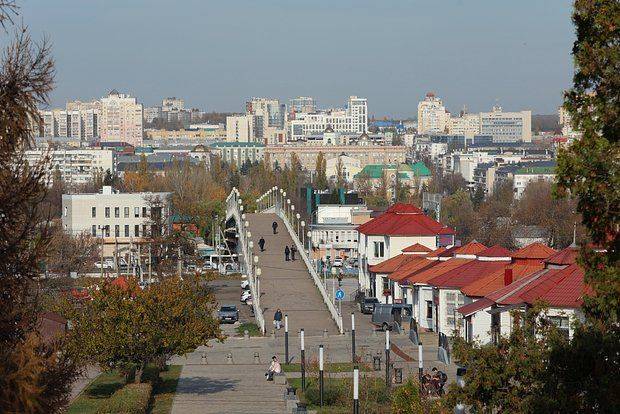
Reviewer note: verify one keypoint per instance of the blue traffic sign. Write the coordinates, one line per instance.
(340, 294)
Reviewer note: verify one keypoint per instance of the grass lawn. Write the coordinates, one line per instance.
(251, 327)
(102, 387)
(329, 367)
(96, 393)
(163, 394)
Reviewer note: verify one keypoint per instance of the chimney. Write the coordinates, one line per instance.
(507, 276)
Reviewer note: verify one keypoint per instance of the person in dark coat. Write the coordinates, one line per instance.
(261, 244)
(287, 252)
(293, 251)
(274, 226)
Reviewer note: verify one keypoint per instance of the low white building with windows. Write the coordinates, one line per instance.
(76, 166)
(119, 218)
(335, 232)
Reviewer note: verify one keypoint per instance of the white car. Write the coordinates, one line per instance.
(245, 296)
(245, 284)
(338, 262)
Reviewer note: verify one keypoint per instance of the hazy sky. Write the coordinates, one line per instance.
(218, 54)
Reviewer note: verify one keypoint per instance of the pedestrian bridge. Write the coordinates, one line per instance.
(292, 286)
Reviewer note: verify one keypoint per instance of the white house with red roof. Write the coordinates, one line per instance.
(559, 284)
(384, 237)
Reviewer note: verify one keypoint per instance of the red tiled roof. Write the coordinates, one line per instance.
(411, 267)
(475, 306)
(438, 252)
(495, 280)
(567, 256)
(465, 274)
(439, 268)
(391, 264)
(404, 220)
(559, 288)
(416, 248)
(534, 251)
(472, 248)
(495, 251)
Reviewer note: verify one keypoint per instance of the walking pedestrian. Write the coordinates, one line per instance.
(287, 252)
(261, 244)
(277, 319)
(293, 251)
(274, 226)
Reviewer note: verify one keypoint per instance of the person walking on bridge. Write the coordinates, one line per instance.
(277, 319)
(293, 251)
(261, 244)
(287, 252)
(274, 226)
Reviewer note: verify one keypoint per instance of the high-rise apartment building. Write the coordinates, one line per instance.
(121, 119)
(151, 113)
(432, 115)
(352, 119)
(270, 116)
(302, 104)
(506, 126)
(172, 104)
(467, 125)
(566, 124)
(241, 128)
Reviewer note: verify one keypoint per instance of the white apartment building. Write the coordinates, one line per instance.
(172, 104)
(270, 119)
(120, 218)
(506, 126)
(523, 176)
(151, 113)
(335, 232)
(241, 128)
(81, 124)
(467, 125)
(352, 119)
(566, 124)
(432, 115)
(121, 119)
(76, 166)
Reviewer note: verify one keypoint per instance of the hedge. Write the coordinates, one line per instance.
(131, 399)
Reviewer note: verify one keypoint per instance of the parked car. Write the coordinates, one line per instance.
(338, 262)
(388, 315)
(245, 284)
(228, 314)
(107, 264)
(245, 295)
(367, 305)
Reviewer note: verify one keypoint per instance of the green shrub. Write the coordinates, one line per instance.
(407, 399)
(332, 393)
(131, 399)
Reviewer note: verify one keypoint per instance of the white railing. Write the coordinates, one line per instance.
(234, 208)
(275, 200)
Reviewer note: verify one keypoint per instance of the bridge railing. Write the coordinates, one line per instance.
(275, 200)
(234, 209)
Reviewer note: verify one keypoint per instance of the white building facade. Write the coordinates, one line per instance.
(76, 166)
(506, 126)
(121, 119)
(432, 115)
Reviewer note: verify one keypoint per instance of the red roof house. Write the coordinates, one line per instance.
(404, 220)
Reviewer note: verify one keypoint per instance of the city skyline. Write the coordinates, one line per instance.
(218, 55)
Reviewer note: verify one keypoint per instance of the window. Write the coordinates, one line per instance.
(107, 231)
(144, 232)
(126, 230)
(117, 231)
(93, 212)
(386, 284)
(379, 249)
(107, 212)
(93, 231)
(117, 212)
(144, 212)
(136, 212)
(562, 323)
(126, 212)
(136, 230)
(429, 309)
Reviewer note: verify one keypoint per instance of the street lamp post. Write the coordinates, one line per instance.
(303, 235)
(321, 373)
(387, 358)
(356, 390)
(297, 216)
(353, 337)
(286, 339)
(303, 360)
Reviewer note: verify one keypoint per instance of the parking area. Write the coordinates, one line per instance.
(227, 290)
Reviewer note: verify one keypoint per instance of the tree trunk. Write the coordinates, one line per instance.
(138, 376)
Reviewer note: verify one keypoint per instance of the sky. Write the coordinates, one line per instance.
(217, 54)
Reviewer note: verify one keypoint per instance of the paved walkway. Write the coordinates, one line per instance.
(287, 285)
